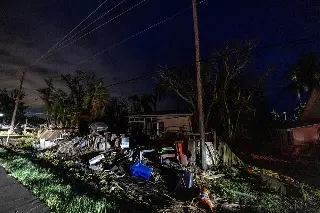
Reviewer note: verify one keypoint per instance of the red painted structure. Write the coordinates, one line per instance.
(306, 132)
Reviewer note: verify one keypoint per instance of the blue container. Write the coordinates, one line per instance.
(140, 170)
(188, 179)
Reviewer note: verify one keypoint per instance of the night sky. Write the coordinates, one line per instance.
(30, 28)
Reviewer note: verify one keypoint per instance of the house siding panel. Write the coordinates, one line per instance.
(176, 123)
(311, 111)
(305, 134)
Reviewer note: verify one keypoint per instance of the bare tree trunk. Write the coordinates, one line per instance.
(199, 86)
(16, 106)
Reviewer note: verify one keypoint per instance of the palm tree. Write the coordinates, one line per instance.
(47, 95)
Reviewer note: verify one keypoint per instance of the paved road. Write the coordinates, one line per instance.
(15, 198)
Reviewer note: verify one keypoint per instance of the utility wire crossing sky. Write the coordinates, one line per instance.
(85, 30)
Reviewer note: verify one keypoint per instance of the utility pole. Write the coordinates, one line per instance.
(16, 106)
(199, 86)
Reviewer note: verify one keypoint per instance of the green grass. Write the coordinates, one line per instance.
(52, 190)
(62, 196)
(259, 199)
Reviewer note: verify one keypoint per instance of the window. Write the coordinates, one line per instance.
(161, 128)
(149, 129)
(136, 128)
(290, 137)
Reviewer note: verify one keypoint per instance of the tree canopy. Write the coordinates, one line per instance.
(228, 102)
(7, 102)
(85, 98)
(304, 73)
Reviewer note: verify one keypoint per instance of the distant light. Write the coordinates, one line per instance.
(1, 114)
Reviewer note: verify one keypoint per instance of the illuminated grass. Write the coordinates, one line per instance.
(258, 199)
(53, 191)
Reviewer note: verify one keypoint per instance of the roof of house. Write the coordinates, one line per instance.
(99, 125)
(164, 112)
(299, 125)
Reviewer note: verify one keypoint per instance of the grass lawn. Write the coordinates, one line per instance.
(261, 199)
(61, 194)
(57, 194)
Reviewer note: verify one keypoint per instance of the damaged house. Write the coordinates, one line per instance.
(161, 122)
(302, 137)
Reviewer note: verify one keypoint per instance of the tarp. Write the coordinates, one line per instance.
(14, 197)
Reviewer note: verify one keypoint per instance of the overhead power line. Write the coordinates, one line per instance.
(101, 25)
(132, 79)
(141, 32)
(91, 23)
(133, 36)
(137, 34)
(151, 73)
(55, 45)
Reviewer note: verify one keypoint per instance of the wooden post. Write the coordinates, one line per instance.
(224, 154)
(16, 106)
(215, 140)
(192, 149)
(199, 86)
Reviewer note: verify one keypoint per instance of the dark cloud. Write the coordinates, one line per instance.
(29, 44)
(116, 78)
(9, 58)
(4, 53)
(57, 59)
(135, 91)
(41, 71)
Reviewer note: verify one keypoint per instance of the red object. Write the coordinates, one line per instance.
(261, 157)
(205, 198)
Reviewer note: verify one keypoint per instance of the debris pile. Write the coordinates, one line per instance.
(111, 163)
(156, 176)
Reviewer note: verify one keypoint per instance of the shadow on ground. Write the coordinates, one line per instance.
(157, 200)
